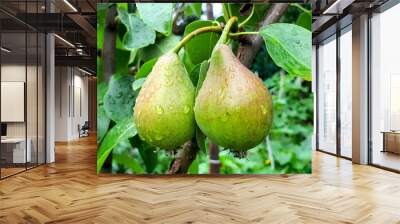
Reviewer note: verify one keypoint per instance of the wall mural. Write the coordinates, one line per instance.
(196, 88)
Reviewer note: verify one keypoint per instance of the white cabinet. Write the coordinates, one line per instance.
(18, 149)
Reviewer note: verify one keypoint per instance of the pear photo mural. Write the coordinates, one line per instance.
(201, 88)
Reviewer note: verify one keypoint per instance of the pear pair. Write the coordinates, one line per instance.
(233, 108)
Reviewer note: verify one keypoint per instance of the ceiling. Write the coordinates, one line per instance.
(330, 15)
(74, 22)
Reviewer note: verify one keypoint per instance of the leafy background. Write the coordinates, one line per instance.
(146, 31)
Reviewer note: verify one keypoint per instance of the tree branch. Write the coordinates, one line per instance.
(108, 52)
(215, 164)
(249, 48)
(210, 12)
(184, 158)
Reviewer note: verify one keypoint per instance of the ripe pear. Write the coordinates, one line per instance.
(233, 107)
(163, 113)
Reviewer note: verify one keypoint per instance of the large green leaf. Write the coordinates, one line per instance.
(138, 34)
(121, 131)
(145, 69)
(157, 15)
(103, 122)
(159, 48)
(119, 98)
(289, 46)
(200, 47)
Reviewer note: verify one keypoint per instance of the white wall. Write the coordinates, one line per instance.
(71, 94)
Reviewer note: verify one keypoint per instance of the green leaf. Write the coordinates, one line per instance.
(192, 9)
(137, 84)
(289, 46)
(160, 48)
(119, 98)
(304, 20)
(103, 122)
(138, 34)
(201, 140)
(121, 131)
(130, 57)
(123, 6)
(128, 162)
(157, 15)
(186, 60)
(226, 11)
(103, 6)
(101, 91)
(202, 75)
(101, 20)
(200, 47)
(122, 155)
(200, 137)
(147, 152)
(194, 167)
(194, 74)
(122, 58)
(145, 69)
(99, 71)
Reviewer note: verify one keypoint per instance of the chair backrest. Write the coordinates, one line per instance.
(86, 125)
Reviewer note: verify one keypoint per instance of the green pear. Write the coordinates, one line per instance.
(163, 111)
(233, 107)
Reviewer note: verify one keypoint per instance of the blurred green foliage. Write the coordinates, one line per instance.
(287, 149)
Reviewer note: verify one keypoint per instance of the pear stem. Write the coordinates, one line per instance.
(195, 33)
(248, 18)
(225, 32)
(243, 33)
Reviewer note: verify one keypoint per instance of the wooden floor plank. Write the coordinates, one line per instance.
(69, 191)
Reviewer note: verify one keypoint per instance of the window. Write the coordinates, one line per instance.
(385, 89)
(327, 95)
(346, 92)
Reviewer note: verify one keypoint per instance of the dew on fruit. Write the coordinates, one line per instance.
(160, 110)
(221, 93)
(263, 109)
(186, 109)
(168, 82)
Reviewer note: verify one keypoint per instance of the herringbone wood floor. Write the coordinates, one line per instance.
(69, 191)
